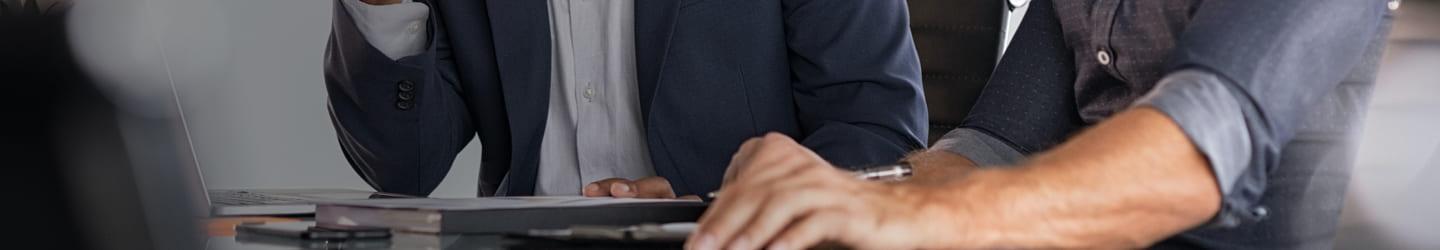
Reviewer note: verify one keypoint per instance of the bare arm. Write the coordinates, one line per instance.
(1128, 182)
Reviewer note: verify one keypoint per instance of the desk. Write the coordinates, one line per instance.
(399, 241)
(223, 239)
(225, 226)
(422, 241)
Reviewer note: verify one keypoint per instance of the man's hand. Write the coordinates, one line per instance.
(781, 195)
(654, 187)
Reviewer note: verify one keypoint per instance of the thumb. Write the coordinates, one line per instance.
(653, 187)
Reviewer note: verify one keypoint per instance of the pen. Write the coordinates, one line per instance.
(888, 172)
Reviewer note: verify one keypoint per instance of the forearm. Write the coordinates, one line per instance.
(937, 166)
(1128, 182)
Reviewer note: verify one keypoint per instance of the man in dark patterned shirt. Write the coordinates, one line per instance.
(1119, 124)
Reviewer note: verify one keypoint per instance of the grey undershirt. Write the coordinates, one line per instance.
(593, 130)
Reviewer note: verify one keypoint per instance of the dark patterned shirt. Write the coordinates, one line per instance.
(1271, 92)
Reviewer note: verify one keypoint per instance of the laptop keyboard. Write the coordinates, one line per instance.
(244, 198)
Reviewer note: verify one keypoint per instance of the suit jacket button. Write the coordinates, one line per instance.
(404, 105)
(405, 96)
(406, 85)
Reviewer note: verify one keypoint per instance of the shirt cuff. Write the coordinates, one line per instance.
(396, 30)
(1212, 117)
(979, 147)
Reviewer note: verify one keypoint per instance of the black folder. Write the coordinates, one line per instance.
(502, 215)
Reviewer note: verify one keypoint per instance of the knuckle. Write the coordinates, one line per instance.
(750, 142)
(776, 137)
(796, 195)
(660, 182)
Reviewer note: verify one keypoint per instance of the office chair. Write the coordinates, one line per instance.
(958, 42)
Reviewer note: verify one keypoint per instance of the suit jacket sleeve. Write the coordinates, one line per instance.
(400, 123)
(856, 79)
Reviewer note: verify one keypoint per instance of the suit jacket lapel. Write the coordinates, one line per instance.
(521, 30)
(654, 22)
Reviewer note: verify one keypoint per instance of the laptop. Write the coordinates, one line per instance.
(251, 202)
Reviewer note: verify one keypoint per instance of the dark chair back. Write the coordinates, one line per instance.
(959, 43)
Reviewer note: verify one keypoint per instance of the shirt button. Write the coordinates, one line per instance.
(414, 27)
(589, 93)
(1394, 4)
(1103, 57)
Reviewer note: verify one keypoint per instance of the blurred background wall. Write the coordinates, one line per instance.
(263, 122)
(1394, 200)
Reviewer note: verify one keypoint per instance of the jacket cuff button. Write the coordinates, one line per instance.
(406, 86)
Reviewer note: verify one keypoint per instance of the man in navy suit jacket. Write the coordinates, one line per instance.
(840, 76)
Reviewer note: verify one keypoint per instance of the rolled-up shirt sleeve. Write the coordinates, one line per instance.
(1243, 75)
(1207, 111)
(980, 147)
(396, 30)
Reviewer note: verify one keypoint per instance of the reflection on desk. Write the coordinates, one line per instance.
(422, 241)
(399, 241)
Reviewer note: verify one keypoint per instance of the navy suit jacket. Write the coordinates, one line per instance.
(840, 76)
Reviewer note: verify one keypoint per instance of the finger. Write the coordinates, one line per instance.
(732, 192)
(736, 190)
(779, 169)
(622, 189)
(600, 188)
(777, 203)
(762, 149)
(738, 206)
(655, 187)
(724, 215)
(741, 156)
(810, 230)
(739, 161)
(777, 212)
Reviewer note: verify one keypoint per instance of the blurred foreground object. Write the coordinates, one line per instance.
(1391, 203)
(95, 155)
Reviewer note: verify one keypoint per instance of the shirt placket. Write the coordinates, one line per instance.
(1103, 19)
(590, 97)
